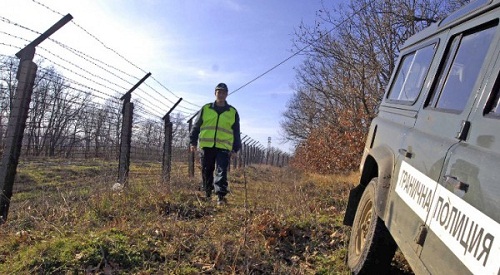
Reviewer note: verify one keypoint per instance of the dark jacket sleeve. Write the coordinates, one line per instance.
(236, 133)
(195, 131)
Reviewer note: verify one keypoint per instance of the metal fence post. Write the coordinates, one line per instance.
(126, 139)
(15, 130)
(17, 119)
(126, 133)
(167, 150)
(167, 145)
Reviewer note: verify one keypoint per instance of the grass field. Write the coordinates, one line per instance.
(66, 219)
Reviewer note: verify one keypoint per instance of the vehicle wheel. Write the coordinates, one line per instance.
(371, 247)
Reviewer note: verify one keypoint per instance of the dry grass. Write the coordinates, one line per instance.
(276, 222)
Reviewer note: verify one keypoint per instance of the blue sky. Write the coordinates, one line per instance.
(188, 45)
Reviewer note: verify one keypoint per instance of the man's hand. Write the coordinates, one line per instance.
(192, 148)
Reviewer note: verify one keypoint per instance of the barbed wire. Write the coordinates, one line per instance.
(98, 91)
(80, 75)
(87, 78)
(104, 45)
(8, 21)
(86, 58)
(15, 36)
(91, 35)
(94, 61)
(143, 111)
(152, 105)
(159, 83)
(80, 68)
(51, 73)
(10, 45)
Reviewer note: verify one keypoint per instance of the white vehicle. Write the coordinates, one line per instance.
(430, 172)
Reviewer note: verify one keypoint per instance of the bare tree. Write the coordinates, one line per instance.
(100, 125)
(350, 54)
(54, 112)
(180, 131)
(111, 135)
(67, 107)
(102, 117)
(62, 120)
(35, 127)
(8, 84)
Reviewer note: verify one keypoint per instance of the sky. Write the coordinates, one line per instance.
(189, 46)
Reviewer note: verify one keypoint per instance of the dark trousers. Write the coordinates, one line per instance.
(218, 160)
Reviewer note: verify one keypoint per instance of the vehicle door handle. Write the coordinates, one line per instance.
(405, 153)
(455, 183)
(464, 130)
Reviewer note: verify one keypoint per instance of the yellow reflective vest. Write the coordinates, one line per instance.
(216, 130)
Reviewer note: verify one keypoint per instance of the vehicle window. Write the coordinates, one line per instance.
(411, 75)
(493, 104)
(496, 109)
(463, 63)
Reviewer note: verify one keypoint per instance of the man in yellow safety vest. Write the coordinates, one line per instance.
(217, 128)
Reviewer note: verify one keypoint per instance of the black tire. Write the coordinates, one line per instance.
(371, 247)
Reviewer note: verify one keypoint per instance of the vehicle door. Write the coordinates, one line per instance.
(442, 124)
(467, 213)
(404, 99)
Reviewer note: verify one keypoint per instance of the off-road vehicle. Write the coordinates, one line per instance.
(430, 171)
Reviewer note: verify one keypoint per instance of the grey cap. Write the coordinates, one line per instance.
(221, 86)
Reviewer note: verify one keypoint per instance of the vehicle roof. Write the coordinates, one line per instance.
(470, 10)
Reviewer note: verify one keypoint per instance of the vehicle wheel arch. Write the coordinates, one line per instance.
(384, 158)
(379, 164)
